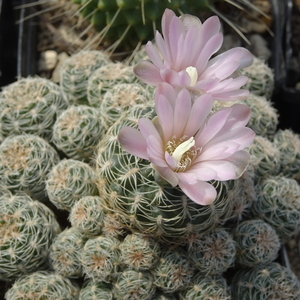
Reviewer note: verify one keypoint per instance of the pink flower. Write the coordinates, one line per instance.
(187, 145)
(182, 57)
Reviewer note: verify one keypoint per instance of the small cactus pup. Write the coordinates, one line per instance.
(267, 282)
(30, 105)
(77, 131)
(257, 243)
(69, 181)
(25, 161)
(213, 253)
(100, 258)
(278, 205)
(76, 71)
(105, 78)
(207, 288)
(65, 253)
(173, 271)
(43, 285)
(134, 285)
(26, 232)
(260, 78)
(288, 144)
(87, 215)
(139, 252)
(95, 290)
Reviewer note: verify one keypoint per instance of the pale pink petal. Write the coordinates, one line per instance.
(155, 152)
(133, 142)
(232, 95)
(154, 56)
(190, 21)
(167, 174)
(218, 151)
(229, 84)
(207, 84)
(176, 31)
(168, 90)
(192, 175)
(147, 128)
(147, 72)
(174, 78)
(161, 45)
(170, 160)
(201, 192)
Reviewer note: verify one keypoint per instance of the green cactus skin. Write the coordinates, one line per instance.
(213, 253)
(265, 158)
(207, 288)
(270, 282)
(25, 161)
(77, 131)
(288, 144)
(100, 258)
(30, 105)
(27, 229)
(133, 285)
(105, 78)
(69, 181)
(65, 253)
(264, 117)
(76, 71)
(139, 252)
(130, 187)
(88, 215)
(43, 285)
(160, 296)
(121, 98)
(95, 290)
(260, 78)
(173, 271)
(257, 243)
(278, 205)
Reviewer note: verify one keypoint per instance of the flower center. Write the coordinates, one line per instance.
(183, 151)
(192, 71)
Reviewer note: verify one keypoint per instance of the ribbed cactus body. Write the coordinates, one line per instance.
(30, 105)
(95, 289)
(270, 282)
(207, 288)
(87, 215)
(133, 285)
(288, 144)
(77, 70)
(44, 286)
(26, 232)
(65, 253)
(25, 161)
(278, 205)
(77, 131)
(131, 187)
(213, 253)
(69, 181)
(257, 243)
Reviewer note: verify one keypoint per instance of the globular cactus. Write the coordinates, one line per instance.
(43, 285)
(173, 271)
(69, 181)
(87, 215)
(30, 105)
(133, 285)
(260, 78)
(161, 296)
(257, 243)
(25, 161)
(113, 225)
(265, 158)
(100, 258)
(288, 144)
(139, 252)
(65, 253)
(77, 131)
(27, 229)
(95, 289)
(278, 205)
(207, 288)
(130, 187)
(213, 253)
(273, 281)
(105, 78)
(77, 70)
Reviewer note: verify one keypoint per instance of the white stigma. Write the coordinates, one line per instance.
(192, 71)
(182, 148)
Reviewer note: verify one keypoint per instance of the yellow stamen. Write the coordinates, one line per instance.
(192, 71)
(182, 148)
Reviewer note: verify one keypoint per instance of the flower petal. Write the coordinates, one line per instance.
(167, 174)
(147, 72)
(133, 142)
(154, 56)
